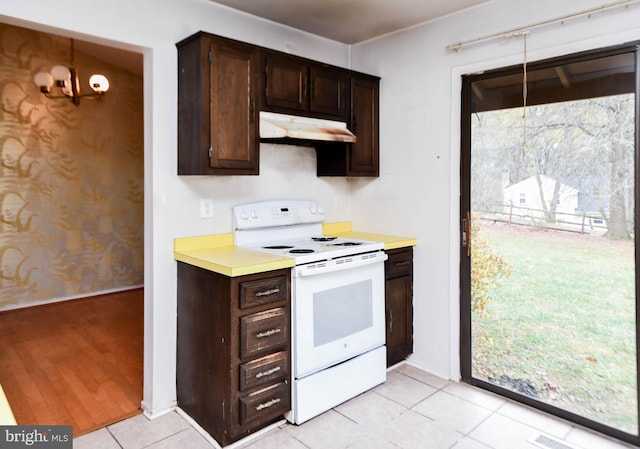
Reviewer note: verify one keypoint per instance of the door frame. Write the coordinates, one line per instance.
(465, 314)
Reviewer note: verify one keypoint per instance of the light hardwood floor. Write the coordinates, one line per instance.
(77, 362)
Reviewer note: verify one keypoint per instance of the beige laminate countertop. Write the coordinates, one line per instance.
(343, 230)
(218, 253)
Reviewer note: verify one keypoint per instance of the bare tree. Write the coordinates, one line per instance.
(588, 144)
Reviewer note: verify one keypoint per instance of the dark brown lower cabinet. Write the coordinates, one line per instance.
(399, 304)
(234, 346)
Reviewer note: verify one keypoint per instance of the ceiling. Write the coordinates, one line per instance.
(350, 21)
(124, 59)
(346, 21)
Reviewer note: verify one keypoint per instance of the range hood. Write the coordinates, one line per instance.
(282, 127)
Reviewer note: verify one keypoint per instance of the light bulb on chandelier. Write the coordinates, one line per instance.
(65, 79)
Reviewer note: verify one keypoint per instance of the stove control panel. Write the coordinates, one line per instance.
(264, 214)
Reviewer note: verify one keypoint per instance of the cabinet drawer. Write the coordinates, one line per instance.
(264, 331)
(263, 291)
(265, 404)
(265, 370)
(400, 263)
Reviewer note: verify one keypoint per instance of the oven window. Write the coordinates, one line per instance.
(342, 311)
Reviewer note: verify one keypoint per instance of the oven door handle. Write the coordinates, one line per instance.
(339, 264)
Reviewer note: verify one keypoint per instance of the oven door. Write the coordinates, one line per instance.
(338, 311)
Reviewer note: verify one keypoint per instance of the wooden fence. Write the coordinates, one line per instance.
(581, 222)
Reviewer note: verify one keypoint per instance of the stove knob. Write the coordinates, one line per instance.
(254, 213)
(243, 214)
(313, 209)
(320, 210)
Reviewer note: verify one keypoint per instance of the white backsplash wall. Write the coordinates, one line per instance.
(286, 172)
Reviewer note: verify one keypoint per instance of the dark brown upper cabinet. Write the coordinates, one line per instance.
(329, 91)
(362, 157)
(296, 85)
(224, 84)
(364, 124)
(218, 124)
(286, 84)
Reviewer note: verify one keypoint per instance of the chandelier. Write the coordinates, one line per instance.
(66, 82)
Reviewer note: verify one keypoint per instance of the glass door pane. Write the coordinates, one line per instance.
(552, 232)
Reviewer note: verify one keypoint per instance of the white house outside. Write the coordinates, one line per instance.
(523, 203)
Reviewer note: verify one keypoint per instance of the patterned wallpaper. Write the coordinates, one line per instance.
(71, 177)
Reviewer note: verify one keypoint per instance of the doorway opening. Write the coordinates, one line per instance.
(72, 226)
(548, 257)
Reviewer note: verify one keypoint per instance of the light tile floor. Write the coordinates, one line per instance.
(412, 410)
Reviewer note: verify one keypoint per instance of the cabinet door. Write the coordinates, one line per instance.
(328, 92)
(286, 84)
(399, 304)
(399, 319)
(363, 160)
(233, 126)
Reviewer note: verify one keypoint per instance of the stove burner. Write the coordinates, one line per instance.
(323, 239)
(301, 251)
(346, 244)
(278, 247)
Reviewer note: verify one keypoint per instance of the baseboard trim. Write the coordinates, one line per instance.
(70, 298)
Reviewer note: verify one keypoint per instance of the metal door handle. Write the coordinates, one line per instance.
(466, 233)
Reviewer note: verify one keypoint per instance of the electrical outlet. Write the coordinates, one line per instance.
(206, 208)
(337, 201)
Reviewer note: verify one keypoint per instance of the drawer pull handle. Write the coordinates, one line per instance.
(400, 264)
(267, 372)
(268, 333)
(267, 404)
(273, 291)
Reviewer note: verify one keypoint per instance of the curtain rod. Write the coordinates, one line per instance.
(525, 29)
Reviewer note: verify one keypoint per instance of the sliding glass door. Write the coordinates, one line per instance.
(548, 253)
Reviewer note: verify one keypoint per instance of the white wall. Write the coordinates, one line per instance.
(418, 192)
(153, 27)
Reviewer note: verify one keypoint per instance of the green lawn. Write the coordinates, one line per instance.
(562, 326)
